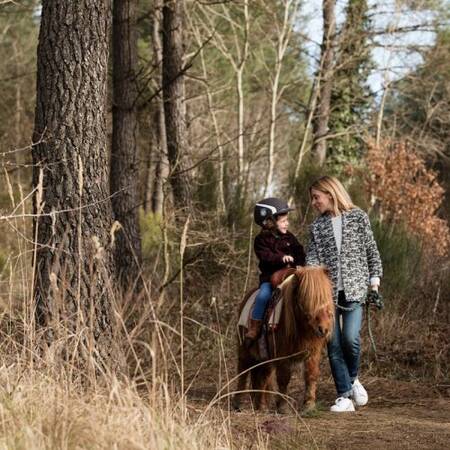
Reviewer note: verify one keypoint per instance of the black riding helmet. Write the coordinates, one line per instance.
(270, 207)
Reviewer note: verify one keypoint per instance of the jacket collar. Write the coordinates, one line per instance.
(326, 220)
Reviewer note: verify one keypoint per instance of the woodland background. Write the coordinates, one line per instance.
(135, 137)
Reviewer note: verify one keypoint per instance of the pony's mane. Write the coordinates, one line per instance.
(311, 289)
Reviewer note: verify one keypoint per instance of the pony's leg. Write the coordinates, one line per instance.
(266, 396)
(283, 378)
(260, 379)
(312, 373)
(243, 365)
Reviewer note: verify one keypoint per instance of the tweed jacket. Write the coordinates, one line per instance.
(360, 259)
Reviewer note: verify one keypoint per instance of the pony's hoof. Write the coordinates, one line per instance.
(309, 409)
(236, 405)
(309, 405)
(283, 408)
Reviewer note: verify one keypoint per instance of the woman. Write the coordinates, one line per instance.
(341, 239)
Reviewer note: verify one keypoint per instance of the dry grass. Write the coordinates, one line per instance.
(39, 411)
(46, 403)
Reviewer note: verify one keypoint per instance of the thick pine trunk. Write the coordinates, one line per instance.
(322, 113)
(124, 158)
(73, 264)
(173, 96)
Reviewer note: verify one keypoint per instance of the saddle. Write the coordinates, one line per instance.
(272, 314)
(280, 275)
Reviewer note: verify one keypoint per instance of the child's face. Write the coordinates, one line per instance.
(283, 223)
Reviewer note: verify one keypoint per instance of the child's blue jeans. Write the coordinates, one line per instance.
(263, 297)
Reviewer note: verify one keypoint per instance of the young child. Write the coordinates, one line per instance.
(276, 248)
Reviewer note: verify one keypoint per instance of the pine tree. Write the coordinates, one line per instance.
(351, 96)
(124, 158)
(73, 216)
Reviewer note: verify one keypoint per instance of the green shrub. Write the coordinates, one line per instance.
(401, 255)
(151, 233)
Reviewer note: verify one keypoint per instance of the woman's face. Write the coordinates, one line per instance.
(283, 223)
(321, 201)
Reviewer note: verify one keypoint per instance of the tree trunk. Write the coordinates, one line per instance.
(73, 262)
(124, 158)
(322, 113)
(173, 95)
(146, 191)
(162, 165)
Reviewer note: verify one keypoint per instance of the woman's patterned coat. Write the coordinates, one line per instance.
(360, 259)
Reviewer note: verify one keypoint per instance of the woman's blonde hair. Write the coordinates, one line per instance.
(339, 196)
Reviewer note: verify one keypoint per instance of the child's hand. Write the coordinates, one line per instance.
(288, 259)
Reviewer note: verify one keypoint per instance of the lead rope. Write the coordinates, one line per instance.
(374, 298)
(369, 328)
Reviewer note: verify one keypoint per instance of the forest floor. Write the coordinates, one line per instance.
(400, 415)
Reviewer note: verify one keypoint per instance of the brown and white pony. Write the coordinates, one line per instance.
(305, 324)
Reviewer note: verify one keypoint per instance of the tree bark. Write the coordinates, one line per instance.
(124, 159)
(73, 262)
(162, 165)
(322, 113)
(280, 47)
(173, 96)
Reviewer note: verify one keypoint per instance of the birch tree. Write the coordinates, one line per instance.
(322, 112)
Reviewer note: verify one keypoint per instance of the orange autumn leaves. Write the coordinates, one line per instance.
(406, 191)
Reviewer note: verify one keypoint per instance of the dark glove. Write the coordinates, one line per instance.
(375, 298)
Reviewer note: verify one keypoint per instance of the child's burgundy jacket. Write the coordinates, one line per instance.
(271, 246)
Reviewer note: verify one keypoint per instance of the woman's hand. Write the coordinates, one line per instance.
(375, 299)
(288, 259)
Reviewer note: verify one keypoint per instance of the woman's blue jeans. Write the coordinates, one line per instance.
(345, 344)
(263, 297)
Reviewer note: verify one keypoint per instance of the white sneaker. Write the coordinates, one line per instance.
(359, 394)
(342, 404)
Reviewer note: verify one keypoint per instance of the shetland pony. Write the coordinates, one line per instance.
(305, 324)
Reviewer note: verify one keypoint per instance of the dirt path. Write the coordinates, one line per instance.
(400, 415)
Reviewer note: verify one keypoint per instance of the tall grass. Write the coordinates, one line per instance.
(49, 402)
(50, 398)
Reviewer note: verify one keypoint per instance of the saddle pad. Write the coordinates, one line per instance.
(274, 317)
(247, 309)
